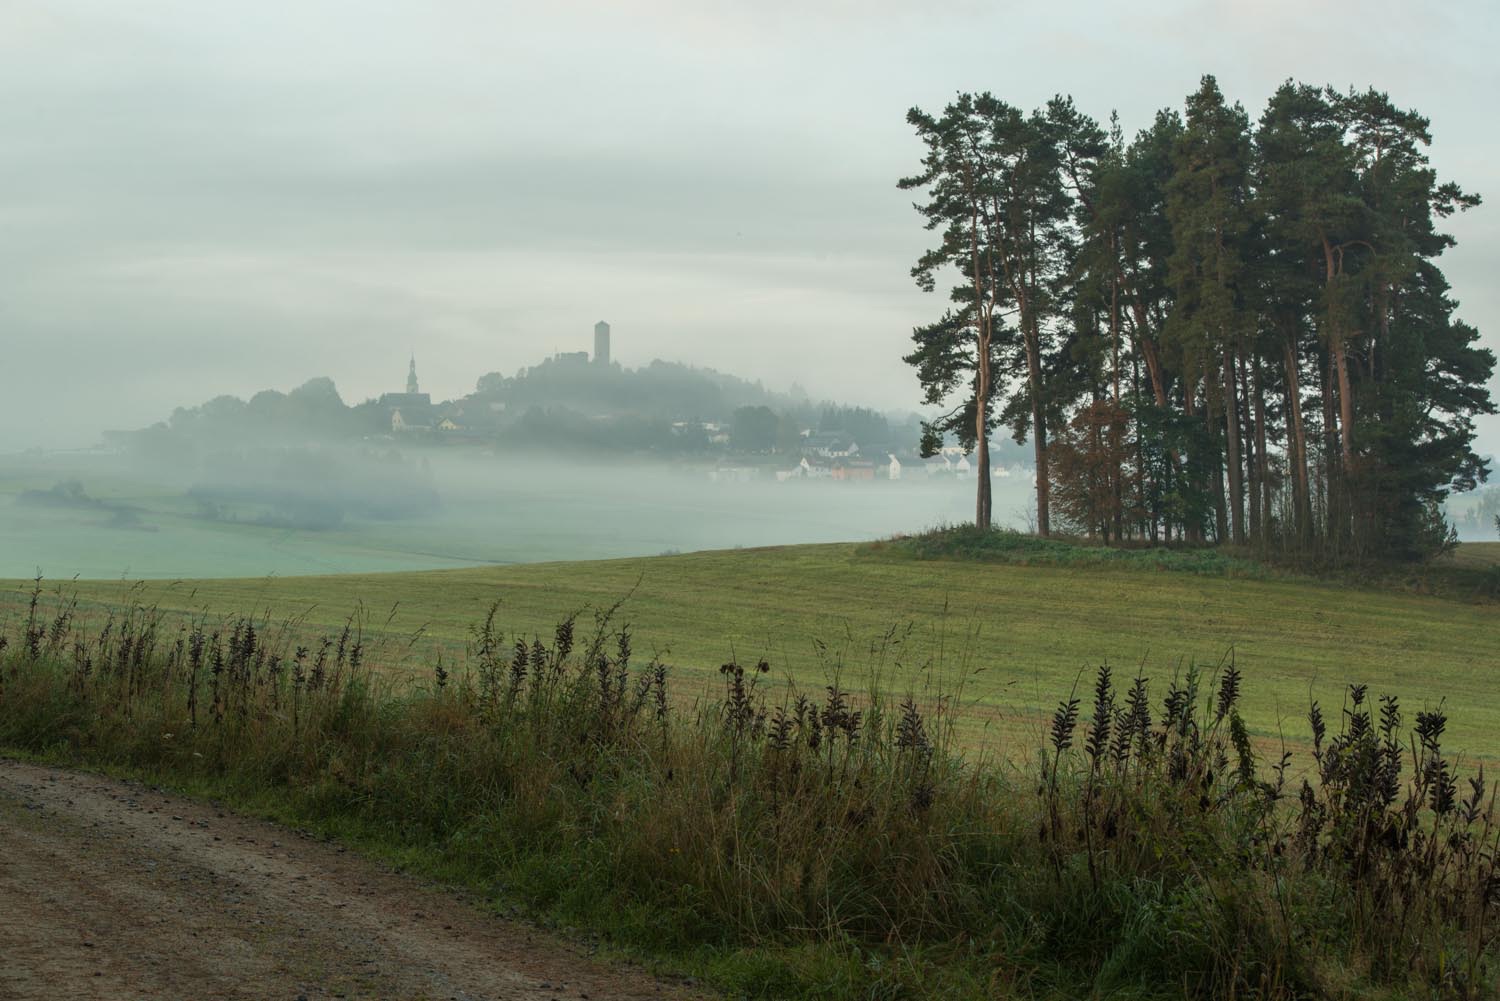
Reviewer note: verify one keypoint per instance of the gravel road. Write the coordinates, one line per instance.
(114, 890)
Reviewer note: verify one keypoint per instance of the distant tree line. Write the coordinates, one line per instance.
(761, 429)
(1219, 330)
(659, 390)
(569, 430)
(314, 409)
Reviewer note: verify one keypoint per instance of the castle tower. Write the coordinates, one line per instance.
(601, 343)
(411, 376)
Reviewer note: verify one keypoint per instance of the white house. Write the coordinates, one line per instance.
(815, 469)
(829, 444)
(937, 465)
(893, 470)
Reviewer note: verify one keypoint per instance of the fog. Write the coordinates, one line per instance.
(1476, 515)
(341, 509)
(208, 199)
(205, 198)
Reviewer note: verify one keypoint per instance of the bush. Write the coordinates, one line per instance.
(1022, 549)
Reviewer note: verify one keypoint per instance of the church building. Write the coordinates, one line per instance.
(412, 409)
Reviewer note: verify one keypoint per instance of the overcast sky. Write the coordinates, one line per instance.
(216, 197)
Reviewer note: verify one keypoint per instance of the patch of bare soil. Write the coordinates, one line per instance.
(113, 890)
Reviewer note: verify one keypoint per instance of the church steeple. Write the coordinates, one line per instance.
(411, 375)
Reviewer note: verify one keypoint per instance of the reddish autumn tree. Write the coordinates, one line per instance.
(1089, 456)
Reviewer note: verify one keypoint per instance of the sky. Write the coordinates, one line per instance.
(204, 198)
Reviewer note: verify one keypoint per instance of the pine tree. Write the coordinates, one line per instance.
(957, 354)
(1207, 207)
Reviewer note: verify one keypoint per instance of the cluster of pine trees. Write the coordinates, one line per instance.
(1221, 330)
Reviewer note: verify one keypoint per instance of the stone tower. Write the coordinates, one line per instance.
(411, 376)
(601, 343)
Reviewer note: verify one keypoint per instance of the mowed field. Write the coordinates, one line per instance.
(1008, 641)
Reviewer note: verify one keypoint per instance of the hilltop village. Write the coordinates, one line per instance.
(588, 406)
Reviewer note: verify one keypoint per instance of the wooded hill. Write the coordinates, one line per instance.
(662, 408)
(1219, 330)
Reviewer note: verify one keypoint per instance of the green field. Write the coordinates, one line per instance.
(1015, 637)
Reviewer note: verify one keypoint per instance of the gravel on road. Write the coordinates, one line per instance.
(115, 890)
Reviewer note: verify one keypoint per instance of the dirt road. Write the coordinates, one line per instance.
(114, 890)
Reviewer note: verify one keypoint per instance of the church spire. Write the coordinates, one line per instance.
(411, 375)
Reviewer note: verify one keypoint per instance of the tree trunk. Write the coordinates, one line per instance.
(1297, 446)
(1147, 349)
(1114, 319)
(1251, 455)
(983, 502)
(1117, 475)
(1043, 485)
(1038, 430)
(1262, 464)
(1331, 496)
(1213, 482)
(1143, 511)
(1232, 443)
(1346, 404)
(982, 499)
(1333, 267)
(1383, 295)
(985, 318)
(1098, 524)
(1221, 512)
(1189, 531)
(1248, 478)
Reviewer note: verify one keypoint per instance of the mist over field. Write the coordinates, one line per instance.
(200, 204)
(341, 510)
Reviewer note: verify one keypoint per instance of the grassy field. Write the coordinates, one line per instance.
(830, 849)
(1012, 636)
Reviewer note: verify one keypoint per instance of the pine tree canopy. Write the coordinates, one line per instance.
(1223, 329)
